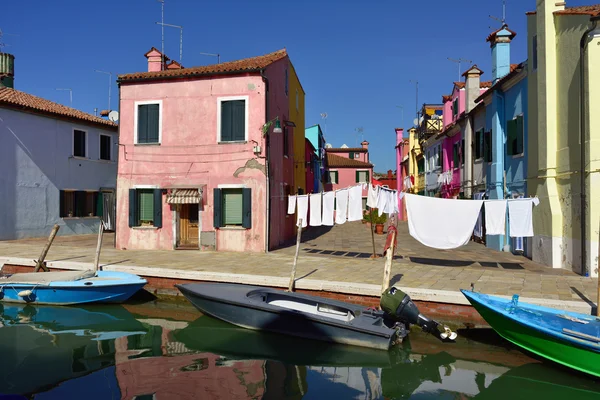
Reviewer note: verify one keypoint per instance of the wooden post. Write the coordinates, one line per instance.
(98, 246)
(598, 273)
(387, 270)
(39, 263)
(372, 234)
(293, 276)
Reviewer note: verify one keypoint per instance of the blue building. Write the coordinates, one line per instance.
(505, 137)
(315, 135)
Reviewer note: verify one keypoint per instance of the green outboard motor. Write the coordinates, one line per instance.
(398, 306)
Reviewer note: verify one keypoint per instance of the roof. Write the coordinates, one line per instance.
(446, 97)
(347, 150)
(493, 35)
(593, 10)
(24, 101)
(514, 70)
(253, 64)
(334, 161)
(474, 68)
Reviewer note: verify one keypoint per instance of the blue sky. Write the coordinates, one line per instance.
(355, 58)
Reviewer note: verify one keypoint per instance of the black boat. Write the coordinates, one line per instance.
(311, 317)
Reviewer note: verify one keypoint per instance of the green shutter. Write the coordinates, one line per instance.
(487, 144)
(232, 206)
(351, 155)
(247, 208)
(132, 208)
(455, 155)
(146, 206)
(157, 208)
(239, 120)
(478, 142)
(510, 136)
(357, 176)
(153, 118)
(367, 176)
(520, 134)
(98, 197)
(462, 152)
(217, 202)
(142, 124)
(226, 121)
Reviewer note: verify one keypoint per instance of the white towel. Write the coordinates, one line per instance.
(291, 204)
(302, 210)
(355, 210)
(441, 223)
(328, 204)
(315, 209)
(382, 200)
(396, 201)
(391, 200)
(478, 231)
(372, 196)
(495, 217)
(520, 217)
(341, 208)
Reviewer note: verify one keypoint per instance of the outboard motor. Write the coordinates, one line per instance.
(398, 306)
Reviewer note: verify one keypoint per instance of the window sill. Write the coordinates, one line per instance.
(232, 228)
(147, 144)
(79, 158)
(233, 142)
(144, 228)
(517, 156)
(76, 218)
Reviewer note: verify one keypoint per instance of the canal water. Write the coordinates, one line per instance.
(171, 351)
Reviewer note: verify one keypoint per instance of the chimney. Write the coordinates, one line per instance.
(7, 70)
(472, 84)
(156, 60)
(500, 44)
(399, 135)
(365, 144)
(390, 174)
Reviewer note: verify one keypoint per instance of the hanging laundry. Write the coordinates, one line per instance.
(396, 201)
(355, 209)
(291, 204)
(441, 223)
(520, 217)
(372, 196)
(315, 209)
(478, 231)
(341, 208)
(302, 202)
(382, 200)
(391, 198)
(495, 217)
(328, 204)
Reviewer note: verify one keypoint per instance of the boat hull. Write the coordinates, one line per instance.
(112, 287)
(251, 316)
(551, 347)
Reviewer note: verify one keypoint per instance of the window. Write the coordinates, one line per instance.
(80, 203)
(514, 136)
(148, 120)
(534, 52)
(479, 144)
(79, 143)
(487, 146)
(351, 155)
(439, 156)
(364, 204)
(105, 147)
(455, 107)
(462, 152)
(286, 142)
(333, 177)
(421, 166)
(455, 155)
(232, 207)
(145, 208)
(233, 119)
(362, 176)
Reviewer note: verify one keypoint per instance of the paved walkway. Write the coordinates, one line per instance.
(333, 259)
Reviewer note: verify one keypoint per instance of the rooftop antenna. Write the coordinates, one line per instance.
(402, 109)
(162, 29)
(180, 37)
(109, 83)
(359, 131)
(70, 94)
(324, 117)
(503, 20)
(459, 61)
(2, 44)
(214, 55)
(416, 82)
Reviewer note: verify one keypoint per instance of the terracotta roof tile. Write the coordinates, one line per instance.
(334, 161)
(593, 10)
(244, 65)
(459, 85)
(485, 84)
(347, 150)
(20, 100)
(492, 35)
(446, 97)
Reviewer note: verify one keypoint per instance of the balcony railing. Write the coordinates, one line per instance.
(428, 128)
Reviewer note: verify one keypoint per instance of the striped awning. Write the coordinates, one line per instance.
(184, 196)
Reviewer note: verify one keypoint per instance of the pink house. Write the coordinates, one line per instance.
(402, 160)
(201, 155)
(347, 166)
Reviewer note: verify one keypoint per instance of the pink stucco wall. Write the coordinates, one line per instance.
(448, 164)
(347, 178)
(190, 157)
(364, 157)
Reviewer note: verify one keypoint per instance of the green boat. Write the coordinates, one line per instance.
(567, 338)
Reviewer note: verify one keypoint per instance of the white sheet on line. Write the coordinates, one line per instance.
(382, 200)
(389, 203)
(328, 204)
(341, 208)
(520, 217)
(291, 204)
(372, 196)
(302, 202)
(495, 217)
(478, 231)
(315, 209)
(355, 210)
(441, 223)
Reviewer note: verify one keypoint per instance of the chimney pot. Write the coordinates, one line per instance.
(365, 144)
(7, 70)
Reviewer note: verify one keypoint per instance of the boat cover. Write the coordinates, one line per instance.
(45, 278)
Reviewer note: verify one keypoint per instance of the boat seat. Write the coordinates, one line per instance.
(45, 278)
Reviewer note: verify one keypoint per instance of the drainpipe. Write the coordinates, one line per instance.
(593, 31)
(268, 202)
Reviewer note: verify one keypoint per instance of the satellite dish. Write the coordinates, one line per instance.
(113, 116)
(421, 120)
(344, 146)
(415, 122)
(328, 146)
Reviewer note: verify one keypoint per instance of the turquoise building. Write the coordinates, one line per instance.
(315, 135)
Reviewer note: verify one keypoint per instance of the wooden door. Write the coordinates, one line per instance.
(188, 226)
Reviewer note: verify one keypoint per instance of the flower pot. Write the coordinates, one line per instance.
(379, 229)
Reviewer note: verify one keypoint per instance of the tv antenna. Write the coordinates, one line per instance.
(503, 20)
(180, 37)
(213, 55)
(162, 31)
(324, 117)
(359, 131)
(70, 94)
(459, 61)
(2, 34)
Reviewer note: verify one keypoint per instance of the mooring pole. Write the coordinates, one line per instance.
(387, 270)
(98, 246)
(39, 263)
(293, 276)
(372, 234)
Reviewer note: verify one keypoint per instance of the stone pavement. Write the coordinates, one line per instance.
(334, 259)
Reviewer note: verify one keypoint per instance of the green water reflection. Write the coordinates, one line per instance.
(167, 352)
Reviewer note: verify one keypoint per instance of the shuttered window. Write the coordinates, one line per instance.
(148, 123)
(479, 144)
(79, 204)
(455, 157)
(514, 136)
(462, 152)
(79, 145)
(232, 207)
(233, 121)
(487, 146)
(145, 207)
(455, 107)
(105, 145)
(362, 176)
(333, 177)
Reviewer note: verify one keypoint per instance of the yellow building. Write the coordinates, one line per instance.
(416, 163)
(296, 94)
(566, 224)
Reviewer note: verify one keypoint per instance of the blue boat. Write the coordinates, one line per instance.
(568, 338)
(69, 287)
